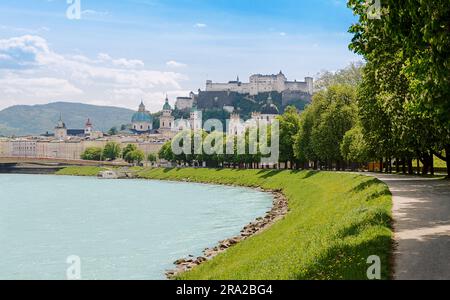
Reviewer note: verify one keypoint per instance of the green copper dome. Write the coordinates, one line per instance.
(142, 115)
(167, 105)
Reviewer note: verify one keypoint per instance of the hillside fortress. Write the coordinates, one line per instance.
(259, 83)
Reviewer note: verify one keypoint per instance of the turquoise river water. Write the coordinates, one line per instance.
(119, 229)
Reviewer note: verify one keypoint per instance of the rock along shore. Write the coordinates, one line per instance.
(279, 210)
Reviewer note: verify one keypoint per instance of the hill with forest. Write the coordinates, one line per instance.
(22, 120)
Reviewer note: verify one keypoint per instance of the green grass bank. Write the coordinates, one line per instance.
(81, 171)
(336, 221)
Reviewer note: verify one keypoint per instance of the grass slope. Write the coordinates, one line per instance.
(80, 171)
(336, 221)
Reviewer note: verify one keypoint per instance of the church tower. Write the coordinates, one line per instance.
(88, 128)
(166, 121)
(61, 129)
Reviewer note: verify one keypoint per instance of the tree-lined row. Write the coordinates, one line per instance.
(404, 99)
(218, 153)
(113, 151)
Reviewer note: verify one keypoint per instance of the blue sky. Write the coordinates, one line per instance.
(121, 51)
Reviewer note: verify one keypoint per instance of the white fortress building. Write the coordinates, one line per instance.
(263, 84)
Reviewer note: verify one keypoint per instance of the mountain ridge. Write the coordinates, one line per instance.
(41, 118)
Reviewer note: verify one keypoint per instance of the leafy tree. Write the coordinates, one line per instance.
(111, 151)
(128, 148)
(135, 157)
(289, 127)
(92, 153)
(166, 152)
(407, 77)
(354, 147)
(151, 157)
(113, 131)
(324, 124)
(351, 75)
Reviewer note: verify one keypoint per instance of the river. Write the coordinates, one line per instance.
(115, 229)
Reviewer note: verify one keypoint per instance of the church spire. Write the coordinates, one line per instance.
(142, 106)
(167, 104)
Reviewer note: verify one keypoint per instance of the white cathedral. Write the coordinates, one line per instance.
(142, 121)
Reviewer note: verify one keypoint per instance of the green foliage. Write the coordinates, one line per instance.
(113, 131)
(128, 148)
(92, 153)
(111, 151)
(324, 123)
(166, 152)
(151, 157)
(354, 147)
(80, 171)
(289, 128)
(135, 157)
(351, 75)
(404, 96)
(336, 221)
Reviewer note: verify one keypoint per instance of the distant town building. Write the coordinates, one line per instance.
(24, 148)
(259, 83)
(62, 132)
(142, 121)
(70, 149)
(269, 112)
(195, 120)
(185, 103)
(267, 115)
(88, 128)
(60, 129)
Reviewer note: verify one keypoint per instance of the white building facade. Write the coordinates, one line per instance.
(259, 83)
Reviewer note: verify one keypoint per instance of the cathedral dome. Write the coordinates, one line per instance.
(141, 117)
(269, 108)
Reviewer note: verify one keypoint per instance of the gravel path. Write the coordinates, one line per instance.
(422, 226)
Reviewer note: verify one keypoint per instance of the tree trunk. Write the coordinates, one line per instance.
(432, 164)
(397, 166)
(381, 165)
(386, 166)
(427, 161)
(447, 156)
(418, 166)
(404, 166)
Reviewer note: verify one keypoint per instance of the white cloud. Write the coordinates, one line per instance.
(91, 12)
(121, 62)
(24, 30)
(175, 64)
(200, 25)
(30, 72)
(22, 52)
